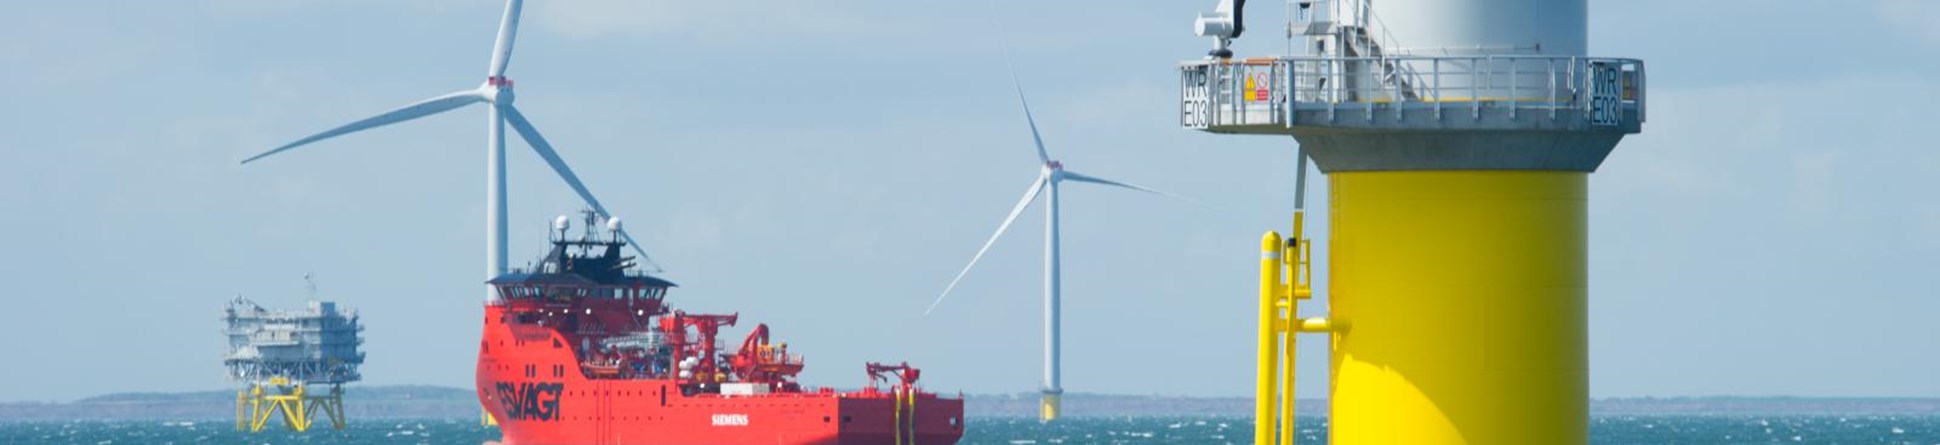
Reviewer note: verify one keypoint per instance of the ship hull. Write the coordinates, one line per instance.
(530, 382)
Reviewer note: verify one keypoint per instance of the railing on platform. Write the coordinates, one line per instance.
(1267, 92)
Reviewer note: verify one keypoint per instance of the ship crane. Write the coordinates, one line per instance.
(905, 375)
(904, 392)
(697, 360)
(759, 361)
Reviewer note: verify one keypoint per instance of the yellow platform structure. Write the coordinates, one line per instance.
(293, 402)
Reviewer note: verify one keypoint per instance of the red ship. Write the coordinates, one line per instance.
(583, 349)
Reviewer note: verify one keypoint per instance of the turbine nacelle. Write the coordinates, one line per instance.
(496, 90)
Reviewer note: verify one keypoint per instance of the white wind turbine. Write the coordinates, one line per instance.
(1050, 175)
(496, 93)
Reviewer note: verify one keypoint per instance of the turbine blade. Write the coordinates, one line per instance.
(544, 149)
(644, 260)
(1029, 196)
(1042, 155)
(423, 108)
(508, 30)
(1075, 176)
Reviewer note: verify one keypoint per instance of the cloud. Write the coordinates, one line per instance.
(1915, 18)
(1814, 178)
(720, 20)
(1835, 158)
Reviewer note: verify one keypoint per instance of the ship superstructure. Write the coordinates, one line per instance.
(582, 348)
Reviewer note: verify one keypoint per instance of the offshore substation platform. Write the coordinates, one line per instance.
(1457, 137)
(293, 364)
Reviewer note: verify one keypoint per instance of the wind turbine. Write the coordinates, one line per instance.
(1051, 174)
(496, 93)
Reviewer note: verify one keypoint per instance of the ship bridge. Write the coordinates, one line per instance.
(1461, 112)
(587, 269)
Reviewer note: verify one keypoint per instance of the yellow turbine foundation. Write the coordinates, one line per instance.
(1468, 299)
(1048, 407)
(292, 402)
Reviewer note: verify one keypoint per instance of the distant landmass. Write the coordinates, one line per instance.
(423, 402)
(360, 402)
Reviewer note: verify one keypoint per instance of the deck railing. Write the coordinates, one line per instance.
(1267, 92)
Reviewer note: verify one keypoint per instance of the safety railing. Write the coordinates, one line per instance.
(1233, 93)
(1263, 92)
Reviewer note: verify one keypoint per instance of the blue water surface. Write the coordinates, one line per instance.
(1604, 430)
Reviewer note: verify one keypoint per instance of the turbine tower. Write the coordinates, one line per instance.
(1457, 137)
(1051, 174)
(496, 93)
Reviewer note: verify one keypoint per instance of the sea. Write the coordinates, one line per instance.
(1604, 430)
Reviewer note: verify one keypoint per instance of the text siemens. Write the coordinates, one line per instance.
(730, 420)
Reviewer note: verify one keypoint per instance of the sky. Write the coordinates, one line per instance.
(826, 168)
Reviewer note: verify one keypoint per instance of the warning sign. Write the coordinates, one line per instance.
(1259, 87)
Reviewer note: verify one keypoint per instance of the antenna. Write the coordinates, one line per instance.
(592, 225)
(309, 283)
